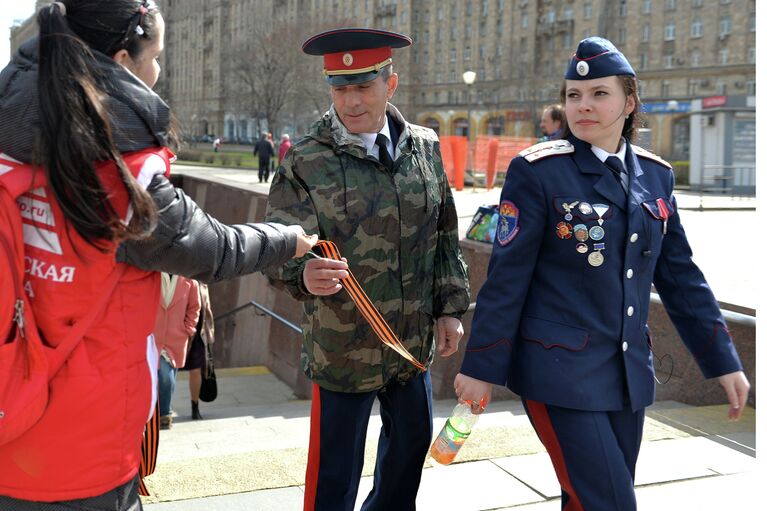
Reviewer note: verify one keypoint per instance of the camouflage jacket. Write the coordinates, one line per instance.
(398, 232)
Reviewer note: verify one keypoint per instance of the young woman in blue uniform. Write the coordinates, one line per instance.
(587, 224)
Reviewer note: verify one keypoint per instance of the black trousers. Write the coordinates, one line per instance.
(263, 169)
(122, 498)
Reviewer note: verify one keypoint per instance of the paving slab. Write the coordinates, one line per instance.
(282, 499)
(473, 486)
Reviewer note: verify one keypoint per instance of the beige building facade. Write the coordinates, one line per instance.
(681, 49)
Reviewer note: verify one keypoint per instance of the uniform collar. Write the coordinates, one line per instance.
(369, 139)
(603, 155)
(588, 163)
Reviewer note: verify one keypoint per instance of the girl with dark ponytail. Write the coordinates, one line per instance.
(90, 142)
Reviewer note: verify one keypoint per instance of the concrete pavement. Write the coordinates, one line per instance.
(250, 453)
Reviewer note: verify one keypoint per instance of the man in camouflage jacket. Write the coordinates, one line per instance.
(395, 224)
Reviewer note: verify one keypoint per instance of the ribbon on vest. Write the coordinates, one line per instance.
(366, 307)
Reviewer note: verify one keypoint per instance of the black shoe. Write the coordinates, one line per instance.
(196, 411)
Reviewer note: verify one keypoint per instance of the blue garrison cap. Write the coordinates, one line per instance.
(354, 55)
(596, 57)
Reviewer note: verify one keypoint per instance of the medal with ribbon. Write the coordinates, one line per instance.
(663, 213)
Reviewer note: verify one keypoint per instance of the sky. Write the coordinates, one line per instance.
(10, 11)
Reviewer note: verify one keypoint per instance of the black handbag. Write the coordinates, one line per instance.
(209, 387)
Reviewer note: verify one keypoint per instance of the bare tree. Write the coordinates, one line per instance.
(264, 73)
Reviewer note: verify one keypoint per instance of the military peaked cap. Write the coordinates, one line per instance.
(354, 55)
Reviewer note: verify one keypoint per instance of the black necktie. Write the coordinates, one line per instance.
(619, 171)
(383, 152)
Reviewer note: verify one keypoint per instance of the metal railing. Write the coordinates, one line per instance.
(264, 310)
(739, 180)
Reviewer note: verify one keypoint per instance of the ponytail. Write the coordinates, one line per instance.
(75, 132)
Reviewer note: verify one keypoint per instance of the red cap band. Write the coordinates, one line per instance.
(356, 61)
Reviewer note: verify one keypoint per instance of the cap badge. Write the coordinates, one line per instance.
(582, 68)
(348, 59)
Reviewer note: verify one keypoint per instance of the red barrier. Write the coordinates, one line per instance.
(492, 158)
(460, 149)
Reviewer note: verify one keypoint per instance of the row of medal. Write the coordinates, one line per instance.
(565, 230)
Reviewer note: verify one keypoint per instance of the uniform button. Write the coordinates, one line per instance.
(630, 311)
(634, 237)
(625, 346)
(629, 273)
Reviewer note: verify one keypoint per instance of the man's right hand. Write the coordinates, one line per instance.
(322, 276)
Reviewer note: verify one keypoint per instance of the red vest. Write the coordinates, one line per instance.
(89, 439)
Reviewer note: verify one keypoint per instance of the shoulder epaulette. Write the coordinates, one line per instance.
(548, 148)
(644, 153)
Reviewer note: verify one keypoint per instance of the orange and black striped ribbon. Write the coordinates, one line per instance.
(149, 445)
(366, 307)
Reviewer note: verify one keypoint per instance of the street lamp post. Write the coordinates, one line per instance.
(468, 79)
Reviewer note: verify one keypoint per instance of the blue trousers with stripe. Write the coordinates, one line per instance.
(339, 423)
(594, 454)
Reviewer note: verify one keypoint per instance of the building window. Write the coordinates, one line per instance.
(439, 34)
(752, 22)
(485, 7)
(751, 55)
(440, 14)
(501, 4)
(695, 58)
(646, 6)
(587, 11)
(670, 33)
(697, 3)
(452, 55)
(670, 5)
(482, 52)
(642, 61)
(641, 89)
(467, 53)
(567, 40)
(668, 60)
(646, 31)
(623, 9)
(499, 27)
(567, 14)
(665, 89)
(622, 35)
(724, 56)
(721, 88)
(751, 88)
(552, 16)
(692, 87)
(696, 29)
(524, 20)
(725, 26)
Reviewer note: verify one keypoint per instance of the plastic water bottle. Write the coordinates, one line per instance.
(454, 433)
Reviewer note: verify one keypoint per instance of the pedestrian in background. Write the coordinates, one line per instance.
(175, 325)
(587, 225)
(197, 358)
(263, 150)
(374, 184)
(284, 146)
(78, 102)
(552, 122)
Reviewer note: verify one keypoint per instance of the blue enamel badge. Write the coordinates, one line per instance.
(508, 222)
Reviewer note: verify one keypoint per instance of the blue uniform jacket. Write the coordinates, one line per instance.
(555, 328)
